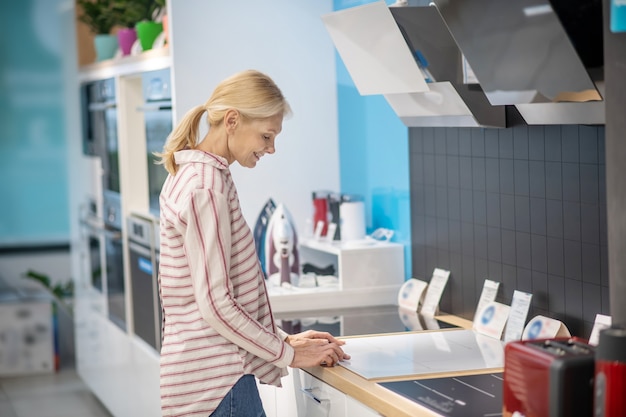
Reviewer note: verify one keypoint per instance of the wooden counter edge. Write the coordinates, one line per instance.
(377, 397)
(369, 393)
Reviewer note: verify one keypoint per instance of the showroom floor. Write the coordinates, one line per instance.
(62, 394)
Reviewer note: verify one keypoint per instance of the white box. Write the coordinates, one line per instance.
(26, 337)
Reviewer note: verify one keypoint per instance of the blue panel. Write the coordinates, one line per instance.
(618, 16)
(374, 155)
(144, 265)
(32, 138)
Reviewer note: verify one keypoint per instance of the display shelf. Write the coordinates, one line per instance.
(369, 274)
(153, 59)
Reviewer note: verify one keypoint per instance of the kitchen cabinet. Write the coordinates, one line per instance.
(368, 272)
(316, 398)
(355, 408)
(119, 367)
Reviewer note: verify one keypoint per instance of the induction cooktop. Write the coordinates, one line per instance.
(359, 321)
(470, 395)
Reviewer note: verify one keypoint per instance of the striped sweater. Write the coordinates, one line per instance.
(217, 320)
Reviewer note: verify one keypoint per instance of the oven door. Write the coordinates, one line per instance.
(115, 287)
(93, 244)
(158, 126)
(144, 293)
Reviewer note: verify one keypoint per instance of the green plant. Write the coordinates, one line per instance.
(98, 15)
(130, 12)
(59, 291)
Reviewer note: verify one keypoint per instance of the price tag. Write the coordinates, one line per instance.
(541, 327)
(330, 233)
(319, 228)
(490, 290)
(411, 294)
(517, 316)
(602, 322)
(434, 292)
(491, 319)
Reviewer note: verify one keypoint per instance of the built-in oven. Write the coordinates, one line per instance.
(157, 109)
(116, 288)
(100, 139)
(93, 244)
(104, 266)
(143, 280)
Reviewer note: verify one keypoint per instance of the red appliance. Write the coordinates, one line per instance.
(610, 381)
(548, 378)
(320, 210)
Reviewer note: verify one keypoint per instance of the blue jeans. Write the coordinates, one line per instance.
(242, 400)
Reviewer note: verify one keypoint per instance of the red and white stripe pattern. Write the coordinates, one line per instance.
(217, 320)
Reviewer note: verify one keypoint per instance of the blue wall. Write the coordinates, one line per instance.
(33, 190)
(374, 155)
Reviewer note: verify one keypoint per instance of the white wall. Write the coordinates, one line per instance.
(287, 40)
(55, 264)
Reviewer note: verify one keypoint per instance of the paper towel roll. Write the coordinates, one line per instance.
(352, 217)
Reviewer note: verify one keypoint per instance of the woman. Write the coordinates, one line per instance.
(218, 329)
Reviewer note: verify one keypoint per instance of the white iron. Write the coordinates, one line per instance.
(281, 249)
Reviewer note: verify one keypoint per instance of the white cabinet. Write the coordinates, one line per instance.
(280, 402)
(356, 408)
(303, 395)
(316, 398)
(369, 273)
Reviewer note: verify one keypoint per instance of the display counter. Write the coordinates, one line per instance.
(380, 322)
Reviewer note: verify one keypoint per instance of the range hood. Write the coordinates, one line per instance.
(376, 43)
(543, 57)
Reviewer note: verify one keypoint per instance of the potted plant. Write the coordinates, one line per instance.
(99, 17)
(141, 16)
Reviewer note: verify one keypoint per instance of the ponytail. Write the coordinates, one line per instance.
(184, 135)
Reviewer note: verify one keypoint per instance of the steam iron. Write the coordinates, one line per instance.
(260, 232)
(281, 249)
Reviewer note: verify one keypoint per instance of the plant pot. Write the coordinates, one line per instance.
(126, 38)
(105, 45)
(147, 32)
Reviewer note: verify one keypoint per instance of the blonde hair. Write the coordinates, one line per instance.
(253, 94)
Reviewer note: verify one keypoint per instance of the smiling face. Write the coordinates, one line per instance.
(249, 140)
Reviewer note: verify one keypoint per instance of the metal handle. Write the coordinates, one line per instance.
(101, 106)
(155, 107)
(309, 393)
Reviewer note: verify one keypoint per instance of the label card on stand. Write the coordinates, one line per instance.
(602, 322)
(411, 294)
(541, 327)
(434, 292)
(517, 317)
(491, 319)
(319, 228)
(330, 234)
(490, 290)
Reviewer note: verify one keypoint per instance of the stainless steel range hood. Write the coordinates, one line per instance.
(534, 54)
(376, 43)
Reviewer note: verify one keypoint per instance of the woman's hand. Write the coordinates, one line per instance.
(314, 348)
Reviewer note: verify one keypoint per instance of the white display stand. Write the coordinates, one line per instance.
(368, 274)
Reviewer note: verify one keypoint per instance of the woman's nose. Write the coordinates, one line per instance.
(270, 147)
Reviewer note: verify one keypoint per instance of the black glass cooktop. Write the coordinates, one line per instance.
(470, 395)
(359, 321)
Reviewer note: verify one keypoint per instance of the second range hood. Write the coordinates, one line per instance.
(544, 57)
(422, 47)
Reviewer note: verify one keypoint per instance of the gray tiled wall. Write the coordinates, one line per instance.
(525, 206)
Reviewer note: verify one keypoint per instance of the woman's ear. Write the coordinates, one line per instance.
(231, 119)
